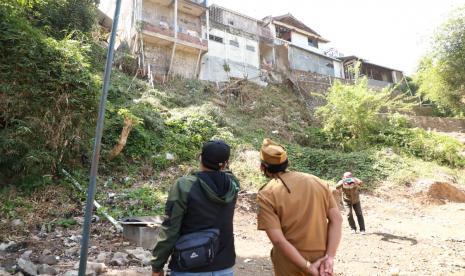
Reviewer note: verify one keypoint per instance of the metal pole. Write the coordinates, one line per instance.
(97, 142)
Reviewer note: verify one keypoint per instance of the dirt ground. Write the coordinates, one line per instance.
(405, 236)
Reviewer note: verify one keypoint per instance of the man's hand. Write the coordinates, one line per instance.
(326, 268)
(316, 266)
(160, 273)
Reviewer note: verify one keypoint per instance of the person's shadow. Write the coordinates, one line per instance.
(392, 238)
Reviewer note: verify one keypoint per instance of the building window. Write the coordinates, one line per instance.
(216, 38)
(330, 65)
(312, 42)
(234, 43)
(230, 22)
(250, 48)
(283, 33)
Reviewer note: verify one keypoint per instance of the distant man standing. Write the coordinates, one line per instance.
(300, 216)
(198, 228)
(350, 187)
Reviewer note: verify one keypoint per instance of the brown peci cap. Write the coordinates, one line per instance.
(272, 153)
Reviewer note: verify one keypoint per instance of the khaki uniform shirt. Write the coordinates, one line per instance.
(351, 193)
(301, 214)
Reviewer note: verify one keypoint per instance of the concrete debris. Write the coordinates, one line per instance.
(17, 223)
(119, 259)
(140, 254)
(46, 269)
(27, 267)
(102, 257)
(98, 268)
(169, 156)
(48, 259)
(26, 255)
(75, 273)
(5, 246)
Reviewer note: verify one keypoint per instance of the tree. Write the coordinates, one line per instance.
(441, 74)
(351, 116)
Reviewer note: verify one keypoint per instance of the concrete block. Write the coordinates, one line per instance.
(141, 231)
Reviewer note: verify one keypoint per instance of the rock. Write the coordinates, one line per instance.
(98, 268)
(75, 273)
(3, 272)
(71, 251)
(119, 259)
(102, 257)
(17, 223)
(140, 254)
(76, 238)
(46, 252)
(445, 191)
(48, 259)
(26, 255)
(46, 269)
(169, 156)
(5, 246)
(27, 266)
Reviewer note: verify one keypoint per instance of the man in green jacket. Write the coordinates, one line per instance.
(203, 200)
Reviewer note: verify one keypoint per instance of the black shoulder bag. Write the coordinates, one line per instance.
(196, 249)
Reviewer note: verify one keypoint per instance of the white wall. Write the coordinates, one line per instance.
(338, 69)
(125, 25)
(241, 61)
(302, 41)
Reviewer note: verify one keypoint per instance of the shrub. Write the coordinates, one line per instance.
(58, 18)
(428, 146)
(47, 88)
(351, 114)
(371, 166)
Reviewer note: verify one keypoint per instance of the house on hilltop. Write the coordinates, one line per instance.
(297, 47)
(378, 76)
(168, 35)
(234, 46)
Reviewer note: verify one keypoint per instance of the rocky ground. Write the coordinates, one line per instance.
(409, 232)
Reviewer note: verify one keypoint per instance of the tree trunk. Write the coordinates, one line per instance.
(128, 124)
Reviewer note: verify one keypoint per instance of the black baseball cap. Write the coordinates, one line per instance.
(215, 153)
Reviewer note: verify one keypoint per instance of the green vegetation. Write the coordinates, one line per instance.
(50, 79)
(441, 74)
(351, 121)
(48, 87)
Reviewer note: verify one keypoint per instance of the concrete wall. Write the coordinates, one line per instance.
(378, 84)
(236, 21)
(184, 64)
(306, 61)
(154, 14)
(158, 57)
(338, 69)
(126, 24)
(397, 76)
(302, 41)
(242, 62)
(438, 123)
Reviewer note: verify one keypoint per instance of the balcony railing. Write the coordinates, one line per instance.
(199, 2)
(183, 35)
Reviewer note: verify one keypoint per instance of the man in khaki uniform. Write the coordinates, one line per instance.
(349, 186)
(299, 215)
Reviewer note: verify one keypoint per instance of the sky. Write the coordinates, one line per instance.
(393, 33)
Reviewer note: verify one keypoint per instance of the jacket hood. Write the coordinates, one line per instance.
(219, 187)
